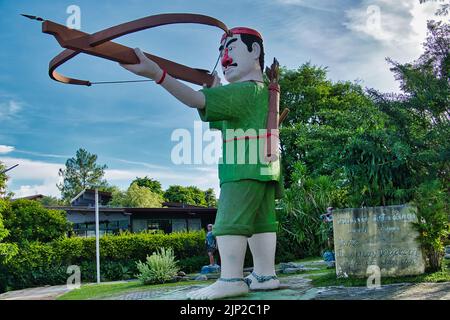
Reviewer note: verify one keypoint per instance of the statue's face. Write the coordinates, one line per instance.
(236, 60)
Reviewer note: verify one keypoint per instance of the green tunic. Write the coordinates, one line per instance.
(239, 110)
(249, 185)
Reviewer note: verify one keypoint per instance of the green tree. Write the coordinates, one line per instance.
(153, 185)
(7, 250)
(420, 119)
(136, 197)
(81, 172)
(421, 115)
(210, 198)
(142, 197)
(444, 8)
(189, 195)
(3, 180)
(28, 221)
(118, 197)
(307, 198)
(323, 116)
(51, 201)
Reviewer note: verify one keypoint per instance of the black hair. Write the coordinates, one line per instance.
(249, 39)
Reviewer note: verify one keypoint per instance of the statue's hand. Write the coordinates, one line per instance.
(216, 82)
(146, 68)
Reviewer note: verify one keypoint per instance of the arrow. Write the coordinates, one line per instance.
(32, 17)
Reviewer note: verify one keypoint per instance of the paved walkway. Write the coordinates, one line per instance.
(300, 288)
(401, 291)
(42, 293)
(295, 287)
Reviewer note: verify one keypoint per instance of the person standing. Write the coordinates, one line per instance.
(211, 245)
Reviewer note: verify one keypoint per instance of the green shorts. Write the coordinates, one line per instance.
(246, 207)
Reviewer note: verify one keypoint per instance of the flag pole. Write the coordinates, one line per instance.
(97, 235)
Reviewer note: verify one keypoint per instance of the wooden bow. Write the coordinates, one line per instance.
(99, 44)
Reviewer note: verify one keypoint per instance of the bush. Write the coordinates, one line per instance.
(433, 227)
(38, 264)
(28, 220)
(7, 250)
(302, 231)
(160, 267)
(193, 264)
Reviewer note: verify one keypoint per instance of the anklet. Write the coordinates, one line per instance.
(234, 280)
(263, 278)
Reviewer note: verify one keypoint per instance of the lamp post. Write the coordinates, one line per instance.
(97, 236)
(6, 170)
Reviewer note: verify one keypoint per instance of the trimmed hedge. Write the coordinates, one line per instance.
(39, 264)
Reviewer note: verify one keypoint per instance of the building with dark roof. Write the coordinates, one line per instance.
(171, 218)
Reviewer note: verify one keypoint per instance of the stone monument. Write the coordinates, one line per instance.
(377, 236)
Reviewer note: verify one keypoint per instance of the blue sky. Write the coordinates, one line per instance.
(129, 126)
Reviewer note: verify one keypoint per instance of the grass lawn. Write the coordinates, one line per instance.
(329, 279)
(322, 277)
(98, 291)
(94, 291)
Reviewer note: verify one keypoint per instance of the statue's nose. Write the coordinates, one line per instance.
(226, 59)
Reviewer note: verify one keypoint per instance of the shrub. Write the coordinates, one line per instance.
(193, 264)
(29, 221)
(433, 228)
(302, 231)
(160, 267)
(37, 264)
(7, 250)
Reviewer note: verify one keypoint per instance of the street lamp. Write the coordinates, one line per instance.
(97, 235)
(6, 170)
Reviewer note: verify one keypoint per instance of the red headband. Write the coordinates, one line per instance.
(242, 30)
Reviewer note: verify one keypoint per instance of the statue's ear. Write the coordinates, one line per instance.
(256, 50)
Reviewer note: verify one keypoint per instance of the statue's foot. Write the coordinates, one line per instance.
(258, 282)
(222, 288)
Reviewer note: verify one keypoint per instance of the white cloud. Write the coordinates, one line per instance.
(31, 169)
(9, 108)
(351, 45)
(45, 155)
(47, 189)
(306, 4)
(6, 149)
(38, 177)
(394, 23)
(43, 175)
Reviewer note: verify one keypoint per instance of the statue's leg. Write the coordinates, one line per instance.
(263, 243)
(231, 283)
(238, 206)
(263, 246)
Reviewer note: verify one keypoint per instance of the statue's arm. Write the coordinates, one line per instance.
(149, 69)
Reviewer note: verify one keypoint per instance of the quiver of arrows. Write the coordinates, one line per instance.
(272, 146)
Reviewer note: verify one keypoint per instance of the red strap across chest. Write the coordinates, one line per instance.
(263, 136)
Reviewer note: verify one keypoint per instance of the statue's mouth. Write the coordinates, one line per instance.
(229, 67)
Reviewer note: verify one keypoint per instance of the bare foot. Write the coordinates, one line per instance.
(219, 290)
(270, 284)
